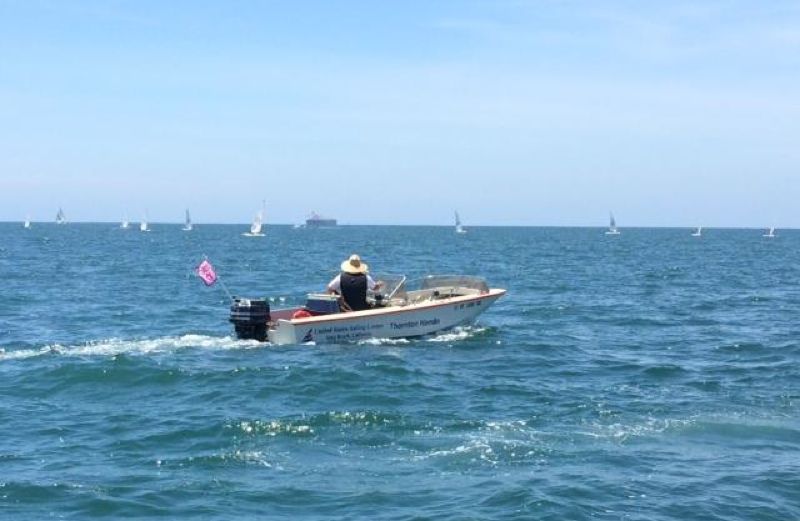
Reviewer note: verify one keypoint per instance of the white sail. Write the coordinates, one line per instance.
(258, 222)
(187, 227)
(27, 221)
(612, 225)
(771, 232)
(124, 224)
(459, 228)
(255, 228)
(698, 232)
(143, 226)
(61, 218)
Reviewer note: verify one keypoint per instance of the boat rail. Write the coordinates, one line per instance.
(460, 281)
(400, 289)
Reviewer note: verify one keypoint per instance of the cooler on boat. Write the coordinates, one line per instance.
(322, 303)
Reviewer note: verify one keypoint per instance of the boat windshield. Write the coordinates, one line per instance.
(394, 285)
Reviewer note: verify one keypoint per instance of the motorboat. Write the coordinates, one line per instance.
(405, 309)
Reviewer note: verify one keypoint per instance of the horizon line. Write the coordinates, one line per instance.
(634, 227)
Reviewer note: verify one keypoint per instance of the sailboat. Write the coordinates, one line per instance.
(27, 222)
(60, 217)
(770, 233)
(459, 228)
(124, 224)
(187, 227)
(258, 221)
(612, 226)
(698, 232)
(143, 226)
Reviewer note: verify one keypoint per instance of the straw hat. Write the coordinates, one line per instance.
(354, 266)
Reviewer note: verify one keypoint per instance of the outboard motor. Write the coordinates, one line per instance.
(250, 317)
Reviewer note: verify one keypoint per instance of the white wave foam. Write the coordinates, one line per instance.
(384, 341)
(475, 448)
(274, 427)
(507, 425)
(256, 457)
(649, 427)
(458, 333)
(118, 346)
(492, 442)
(452, 335)
(250, 457)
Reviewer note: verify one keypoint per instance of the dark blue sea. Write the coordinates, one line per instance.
(648, 376)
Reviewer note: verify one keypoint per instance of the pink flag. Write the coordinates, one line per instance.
(206, 272)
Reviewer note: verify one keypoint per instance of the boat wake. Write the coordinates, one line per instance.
(118, 346)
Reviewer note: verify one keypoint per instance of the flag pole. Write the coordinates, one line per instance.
(225, 288)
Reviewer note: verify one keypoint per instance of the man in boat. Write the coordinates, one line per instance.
(352, 284)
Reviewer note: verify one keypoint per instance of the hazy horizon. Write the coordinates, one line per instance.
(512, 112)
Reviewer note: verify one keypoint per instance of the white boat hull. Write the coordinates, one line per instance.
(392, 322)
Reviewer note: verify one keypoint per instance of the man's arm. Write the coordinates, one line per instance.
(335, 286)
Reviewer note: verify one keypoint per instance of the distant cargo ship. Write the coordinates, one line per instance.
(317, 221)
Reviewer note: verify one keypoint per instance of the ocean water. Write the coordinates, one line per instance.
(648, 376)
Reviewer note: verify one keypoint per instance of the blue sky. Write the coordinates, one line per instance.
(513, 112)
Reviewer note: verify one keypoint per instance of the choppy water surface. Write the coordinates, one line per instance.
(647, 376)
